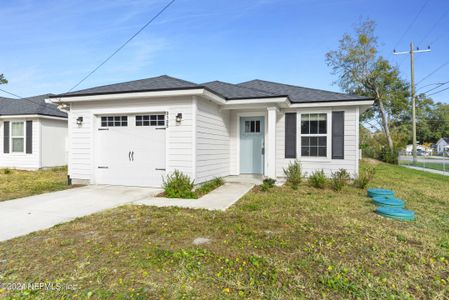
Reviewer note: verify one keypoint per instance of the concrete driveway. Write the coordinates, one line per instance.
(25, 215)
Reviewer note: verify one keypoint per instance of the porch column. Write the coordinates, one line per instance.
(270, 147)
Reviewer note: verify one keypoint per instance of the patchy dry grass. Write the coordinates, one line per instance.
(16, 183)
(307, 243)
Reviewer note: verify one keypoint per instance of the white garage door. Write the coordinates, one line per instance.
(130, 150)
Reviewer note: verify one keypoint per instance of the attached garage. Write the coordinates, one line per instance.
(130, 149)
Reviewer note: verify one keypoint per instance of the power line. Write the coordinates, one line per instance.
(412, 23)
(433, 72)
(29, 100)
(437, 87)
(437, 92)
(430, 84)
(123, 45)
(434, 25)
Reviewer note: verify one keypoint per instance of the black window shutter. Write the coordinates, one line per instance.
(6, 137)
(290, 135)
(338, 135)
(29, 137)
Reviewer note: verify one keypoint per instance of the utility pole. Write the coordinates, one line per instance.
(412, 52)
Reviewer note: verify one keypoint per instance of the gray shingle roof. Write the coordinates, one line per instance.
(245, 90)
(233, 91)
(163, 82)
(298, 94)
(33, 106)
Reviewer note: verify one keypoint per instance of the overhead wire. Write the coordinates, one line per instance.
(29, 100)
(123, 45)
(412, 23)
(433, 72)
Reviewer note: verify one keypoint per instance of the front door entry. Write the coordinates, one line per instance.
(252, 145)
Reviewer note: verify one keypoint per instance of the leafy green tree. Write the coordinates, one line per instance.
(439, 121)
(361, 70)
(3, 79)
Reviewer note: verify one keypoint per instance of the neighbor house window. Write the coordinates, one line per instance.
(150, 120)
(252, 126)
(114, 121)
(314, 135)
(18, 137)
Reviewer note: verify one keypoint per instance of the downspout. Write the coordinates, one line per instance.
(194, 140)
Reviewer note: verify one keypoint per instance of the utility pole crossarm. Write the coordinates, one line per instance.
(412, 52)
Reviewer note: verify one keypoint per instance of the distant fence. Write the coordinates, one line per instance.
(433, 162)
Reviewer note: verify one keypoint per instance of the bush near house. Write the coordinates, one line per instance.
(366, 174)
(267, 184)
(208, 187)
(318, 179)
(340, 179)
(293, 172)
(179, 185)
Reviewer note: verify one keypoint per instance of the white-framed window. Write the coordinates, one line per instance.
(18, 137)
(114, 121)
(150, 120)
(314, 134)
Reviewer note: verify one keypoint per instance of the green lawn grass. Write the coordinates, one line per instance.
(16, 183)
(280, 244)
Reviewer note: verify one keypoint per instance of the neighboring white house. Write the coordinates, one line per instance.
(442, 146)
(33, 134)
(134, 133)
(422, 150)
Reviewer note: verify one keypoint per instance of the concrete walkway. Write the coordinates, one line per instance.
(219, 199)
(22, 216)
(428, 170)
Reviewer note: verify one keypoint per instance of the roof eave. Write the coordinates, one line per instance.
(32, 115)
(349, 102)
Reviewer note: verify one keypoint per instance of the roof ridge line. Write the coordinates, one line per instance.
(244, 87)
(298, 86)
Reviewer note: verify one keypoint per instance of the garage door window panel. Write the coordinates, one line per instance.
(114, 121)
(150, 120)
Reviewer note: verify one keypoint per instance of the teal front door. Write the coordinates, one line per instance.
(252, 131)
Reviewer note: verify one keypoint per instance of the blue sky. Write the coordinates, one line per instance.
(48, 46)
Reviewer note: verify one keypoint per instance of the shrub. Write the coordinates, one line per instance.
(209, 186)
(294, 174)
(7, 171)
(267, 184)
(178, 185)
(318, 179)
(365, 176)
(339, 179)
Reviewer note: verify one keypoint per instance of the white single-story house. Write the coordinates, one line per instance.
(419, 148)
(134, 133)
(442, 146)
(33, 134)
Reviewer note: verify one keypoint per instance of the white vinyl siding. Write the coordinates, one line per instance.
(22, 160)
(212, 141)
(310, 164)
(54, 143)
(179, 143)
